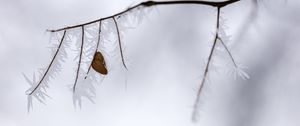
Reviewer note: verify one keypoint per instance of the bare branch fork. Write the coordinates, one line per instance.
(196, 103)
(217, 37)
(217, 5)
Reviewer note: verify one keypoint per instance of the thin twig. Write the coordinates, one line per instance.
(194, 114)
(229, 53)
(79, 62)
(48, 68)
(153, 3)
(120, 44)
(99, 31)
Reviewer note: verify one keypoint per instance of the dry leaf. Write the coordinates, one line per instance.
(98, 63)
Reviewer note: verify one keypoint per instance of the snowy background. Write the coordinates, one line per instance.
(167, 54)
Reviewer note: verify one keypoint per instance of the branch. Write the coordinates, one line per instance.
(119, 40)
(217, 5)
(227, 50)
(48, 68)
(194, 114)
(153, 3)
(99, 31)
(79, 62)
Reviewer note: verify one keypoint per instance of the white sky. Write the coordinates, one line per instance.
(166, 54)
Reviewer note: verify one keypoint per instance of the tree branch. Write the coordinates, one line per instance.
(48, 68)
(153, 3)
(196, 103)
(218, 5)
(79, 62)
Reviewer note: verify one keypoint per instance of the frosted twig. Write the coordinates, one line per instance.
(229, 53)
(79, 62)
(196, 103)
(120, 44)
(98, 41)
(48, 68)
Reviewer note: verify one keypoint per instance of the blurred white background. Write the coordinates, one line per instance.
(166, 53)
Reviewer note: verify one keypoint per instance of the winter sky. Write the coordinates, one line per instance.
(166, 53)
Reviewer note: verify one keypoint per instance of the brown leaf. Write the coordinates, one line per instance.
(98, 63)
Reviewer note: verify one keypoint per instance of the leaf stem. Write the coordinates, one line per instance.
(99, 31)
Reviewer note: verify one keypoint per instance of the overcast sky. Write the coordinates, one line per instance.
(166, 54)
